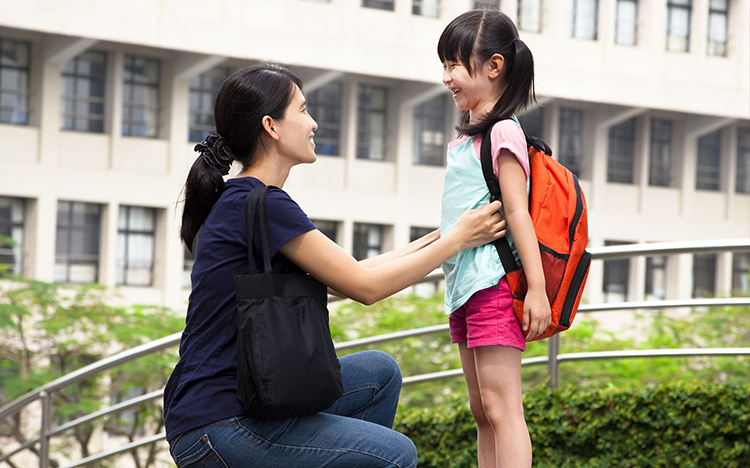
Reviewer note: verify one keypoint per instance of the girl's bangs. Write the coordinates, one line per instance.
(456, 44)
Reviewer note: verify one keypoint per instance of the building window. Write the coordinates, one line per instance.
(84, 79)
(12, 216)
(203, 90)
(704, 275)
(135, 246)
(571, 139)
(741, 273)
(371, 127)
(487, 5)
(621, 153)
(379, 4)
(429, 132)
(187, 267)
(627, 22)
(660, 160)
(140, 104)
(678, 25)
(743, 161)
(717, 27)
(532, 122)
(430, 8)
(530, 15)
(419, 232)
(585, 13)
(14, 81)
(709, 162)
(324, 105)
(368, 240)
(616, 275)
(77, 245)
(329, 228)
(656, 278)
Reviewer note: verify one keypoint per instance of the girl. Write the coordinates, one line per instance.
(490, 72)
(262, 122)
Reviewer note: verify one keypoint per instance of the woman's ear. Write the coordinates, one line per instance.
(495, 64)
(269, 127)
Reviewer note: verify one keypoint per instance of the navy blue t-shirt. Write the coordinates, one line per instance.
(203, 386)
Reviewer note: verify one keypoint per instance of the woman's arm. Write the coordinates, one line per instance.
(512, 179)
(386, 257)
(333, 266)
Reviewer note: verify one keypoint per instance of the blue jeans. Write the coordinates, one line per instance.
(354, 432)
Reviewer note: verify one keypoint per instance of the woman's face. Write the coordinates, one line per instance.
(296, 130)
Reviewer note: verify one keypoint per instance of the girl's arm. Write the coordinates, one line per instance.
(512, 179)
(333, 266)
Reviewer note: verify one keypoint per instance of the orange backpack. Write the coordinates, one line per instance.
(558, 212)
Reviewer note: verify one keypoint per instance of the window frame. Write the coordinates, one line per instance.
(575, 32)
(660, 172)
(700, 261)
(416, 9)
(129, 105)
(539, 4)
(574, 162)
(621, 139)
(204, 92)
(357, 246)
(671, 7)
(69, 259)
(722, 51)
(424, 115)
(708, 176)
(316, 106)
(77, 78)
(22, 96)
(742, 177)
(9, 225)
(379, 4)
(618, 23)
(123, 263)
(365, 130)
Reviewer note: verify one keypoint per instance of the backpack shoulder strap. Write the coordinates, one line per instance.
(502, 246)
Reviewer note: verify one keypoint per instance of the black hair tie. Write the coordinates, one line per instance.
(215, 152)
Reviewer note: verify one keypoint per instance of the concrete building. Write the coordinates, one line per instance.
(102, 101)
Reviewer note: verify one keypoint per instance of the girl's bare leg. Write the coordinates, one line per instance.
(485, 434)
(498, 371)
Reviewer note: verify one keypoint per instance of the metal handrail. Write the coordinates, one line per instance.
(601, 253)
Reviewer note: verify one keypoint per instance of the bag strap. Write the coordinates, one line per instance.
(502, 245)
(255, 206)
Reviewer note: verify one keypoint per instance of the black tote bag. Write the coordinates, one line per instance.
(286, 362)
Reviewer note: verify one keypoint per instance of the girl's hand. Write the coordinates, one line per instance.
(479, 226)
(536, 313)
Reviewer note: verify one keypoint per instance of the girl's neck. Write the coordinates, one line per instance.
(485, 106)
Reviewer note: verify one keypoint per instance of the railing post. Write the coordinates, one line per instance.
(553, 365)
(44, 432)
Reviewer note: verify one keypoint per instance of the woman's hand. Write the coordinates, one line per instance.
(479, 226)
(536, 313)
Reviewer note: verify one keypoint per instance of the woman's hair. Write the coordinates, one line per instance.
(478, 35)
(241, 103)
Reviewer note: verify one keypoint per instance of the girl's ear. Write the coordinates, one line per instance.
(269, 127)
(495, 64)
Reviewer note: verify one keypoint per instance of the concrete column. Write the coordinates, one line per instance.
(642, 159)
(729, 167)
(168, 244)
(679, 276)
(606, 22)
(594, 293)
(724, 274)
(347, 238)
(108, 246)
(552, 128)
(637, 279)
(116, 73)
(49, 102)
(40, 238)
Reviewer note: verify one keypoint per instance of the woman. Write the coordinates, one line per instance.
(262, 122)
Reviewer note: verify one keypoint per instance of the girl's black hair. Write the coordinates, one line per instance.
(477, 35)
(241, 103)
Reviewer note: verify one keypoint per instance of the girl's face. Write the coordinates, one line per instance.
(475, 93)
(296, 131)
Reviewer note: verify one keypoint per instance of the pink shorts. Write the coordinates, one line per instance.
(487, 319)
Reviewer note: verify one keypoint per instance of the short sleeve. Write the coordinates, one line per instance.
(507, 134)
(286, 220)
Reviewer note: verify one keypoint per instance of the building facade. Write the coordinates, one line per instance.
(102, 101)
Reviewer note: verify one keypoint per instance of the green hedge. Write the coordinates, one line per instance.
(675, 425)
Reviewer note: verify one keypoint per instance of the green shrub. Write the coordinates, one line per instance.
(672, 425)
